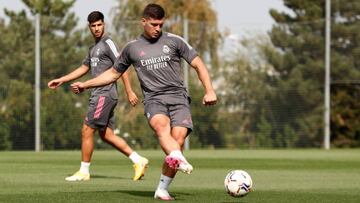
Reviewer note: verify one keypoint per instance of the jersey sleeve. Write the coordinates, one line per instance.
(123, 62)
(86, 61)
(184, 49)
(112, 50)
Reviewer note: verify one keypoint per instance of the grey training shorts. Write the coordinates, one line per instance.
(175, 106)
(101, 112)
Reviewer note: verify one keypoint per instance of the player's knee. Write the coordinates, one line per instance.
(160, 128)
(106, 135)
(87, 132)
(180, 140)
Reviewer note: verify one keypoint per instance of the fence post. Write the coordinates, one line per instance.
(37, 82)
(327, 75)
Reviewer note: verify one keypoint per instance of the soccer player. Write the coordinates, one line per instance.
(156, 55)
(102, 102)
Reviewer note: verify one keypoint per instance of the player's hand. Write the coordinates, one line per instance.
(53, 84)
(209, 98)
(77, 87)
(133, 99)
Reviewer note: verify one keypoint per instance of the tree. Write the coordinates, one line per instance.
(62, 47)
(299, 64)
(61, 127)
(244, 99)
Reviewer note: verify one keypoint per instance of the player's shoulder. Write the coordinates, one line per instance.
(108, 41)
(172, 36)
(132, 43)
(175, 39)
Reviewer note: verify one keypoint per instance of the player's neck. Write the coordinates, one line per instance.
(97, 39)
(150, 39)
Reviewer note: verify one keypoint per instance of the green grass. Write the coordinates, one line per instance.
(278, 176)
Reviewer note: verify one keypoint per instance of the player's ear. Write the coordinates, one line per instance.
(143, 21)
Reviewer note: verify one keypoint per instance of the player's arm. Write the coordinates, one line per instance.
(77, 73)
(204, 77)
(107, 77)
(133, 99)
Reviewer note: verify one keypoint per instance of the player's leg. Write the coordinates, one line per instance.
(160, 123)
(140, 163)
(91, 124)
(118, 143)
(179, 134)
(181, 126)
(87, 143)
(87, 148)
(106, 122)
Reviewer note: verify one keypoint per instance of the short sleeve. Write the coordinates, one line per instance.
(123, 62)
(86, 61)
(185, 50)
(112, 51)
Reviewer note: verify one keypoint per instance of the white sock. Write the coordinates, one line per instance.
(164, 182)
(178, 154)
(84, 167)
(135, 157)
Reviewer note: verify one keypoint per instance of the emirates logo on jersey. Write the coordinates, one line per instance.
(166, 49)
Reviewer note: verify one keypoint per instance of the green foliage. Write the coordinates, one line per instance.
(345, 122)
(299, 65)
(5, 143)
(205, 120)
(61, 48)
(61, 123)
(18, 114)
(244, 96)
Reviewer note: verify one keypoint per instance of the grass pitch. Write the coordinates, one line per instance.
(278, 176)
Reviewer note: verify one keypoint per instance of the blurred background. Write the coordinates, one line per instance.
(267, 60)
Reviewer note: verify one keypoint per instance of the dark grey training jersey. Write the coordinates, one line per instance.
(157, 62)
(101, 57)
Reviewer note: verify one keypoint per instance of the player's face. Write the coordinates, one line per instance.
(97, 28)
(152, 27)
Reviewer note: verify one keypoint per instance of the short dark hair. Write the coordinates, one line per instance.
(95, 16)
(154, 11)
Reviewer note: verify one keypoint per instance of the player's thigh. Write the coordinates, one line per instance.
(157, 115)
(180, 116)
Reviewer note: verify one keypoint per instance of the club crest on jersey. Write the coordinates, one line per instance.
(142, 53)
(166, 49)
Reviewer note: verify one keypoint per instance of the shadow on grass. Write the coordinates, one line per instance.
(150, 193)
(97, 176)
